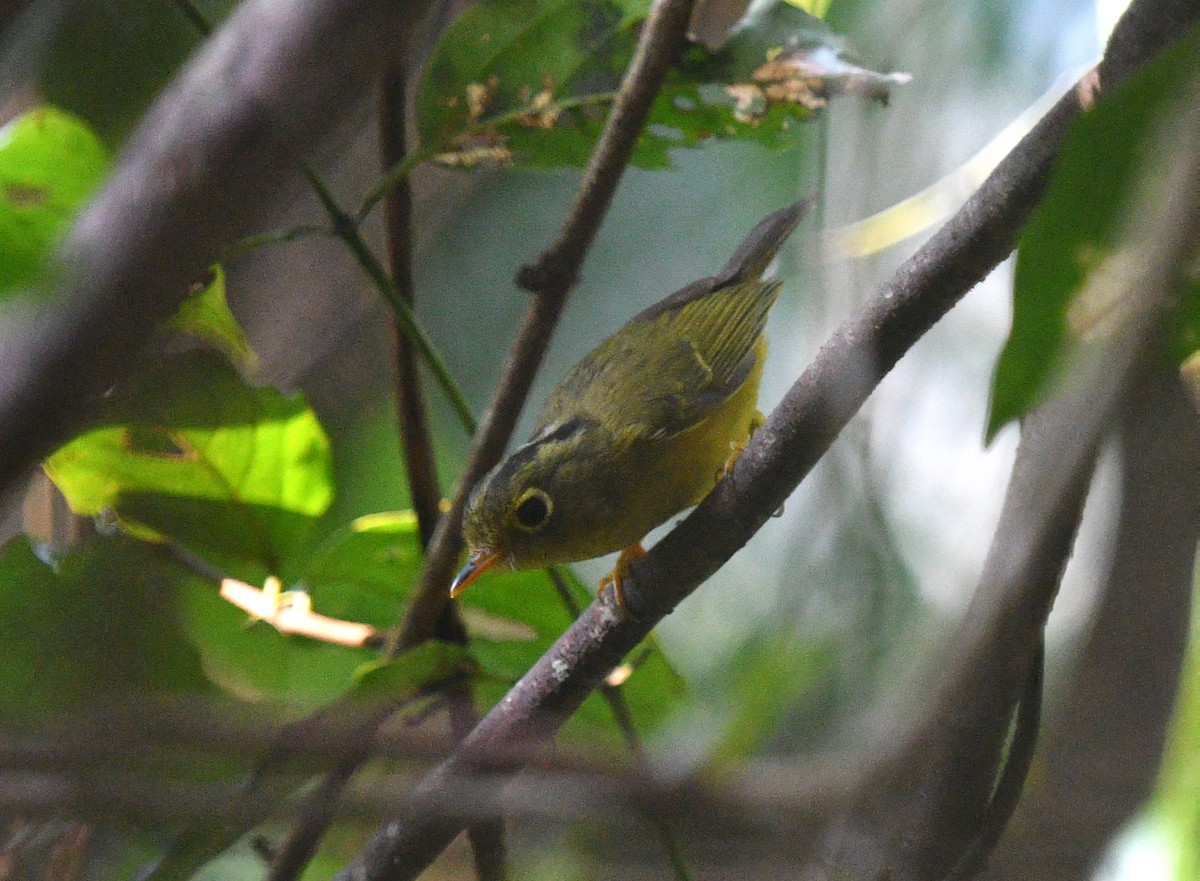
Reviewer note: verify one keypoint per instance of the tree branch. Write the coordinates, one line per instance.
(794, 437)
(1103, 745)
(662, 38)
(197, 175)
(930, 799)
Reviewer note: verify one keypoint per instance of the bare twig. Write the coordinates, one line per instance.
(419, 464)
(794, 437)
(661, 40)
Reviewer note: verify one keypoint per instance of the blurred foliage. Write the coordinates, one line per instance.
(1082, 230)
(50, 163)
(89, 629)
(1176, 803)
(110, 58)
(529, 81)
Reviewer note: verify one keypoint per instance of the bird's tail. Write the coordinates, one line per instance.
(750, 260)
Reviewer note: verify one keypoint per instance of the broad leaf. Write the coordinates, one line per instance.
(189, 451)
(98, 625)
(1081, 227)
(205, 314)
(50, 163)
(408, 673)
(367, 572)
(530, 81)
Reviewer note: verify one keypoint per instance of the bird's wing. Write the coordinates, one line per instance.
(666, 369)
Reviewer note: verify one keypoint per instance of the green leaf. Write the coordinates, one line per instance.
(188, 450)
(99, 624)
(50, 164)
(1177, 800)
(514, 618)
(762, 683)
(366, 573)
(205, 314)
(109, 58)
(361, 573)
(1078, 229)
(409, 672)
(530, 81)
(817, 8)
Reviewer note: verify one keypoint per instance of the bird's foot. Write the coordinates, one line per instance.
(736, 448)
(620, 572)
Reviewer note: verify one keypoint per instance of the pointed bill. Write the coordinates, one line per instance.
(479, 562)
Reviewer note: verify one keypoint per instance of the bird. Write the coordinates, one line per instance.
(643, 427)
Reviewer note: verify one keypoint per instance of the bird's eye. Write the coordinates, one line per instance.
(534, 510)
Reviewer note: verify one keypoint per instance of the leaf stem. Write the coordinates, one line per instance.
(346, 229)
(403, 168)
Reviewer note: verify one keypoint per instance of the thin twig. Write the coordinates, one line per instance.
(275, 237)
(486, 837)
(798, 432)
(402, 168)
(662, 38)
(347, 230)
(420, 467)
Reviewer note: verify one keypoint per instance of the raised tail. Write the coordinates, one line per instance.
(750, 260)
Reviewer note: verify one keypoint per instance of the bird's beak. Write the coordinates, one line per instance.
(479, 562)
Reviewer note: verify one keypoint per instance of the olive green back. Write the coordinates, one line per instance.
(661, 372)
(671, 364)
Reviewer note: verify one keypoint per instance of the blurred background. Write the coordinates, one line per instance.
(834, 610)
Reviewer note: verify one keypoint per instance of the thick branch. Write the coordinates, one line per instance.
(795, 436)
(1104, 744)
(662, 38)
(196, 176)
(932, 796)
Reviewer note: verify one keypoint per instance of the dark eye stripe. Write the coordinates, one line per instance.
(560, 432)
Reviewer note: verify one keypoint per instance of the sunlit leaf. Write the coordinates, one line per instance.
(817, 8)
(205, 314)
(188, 450)
(50, 163)
(1082, 227)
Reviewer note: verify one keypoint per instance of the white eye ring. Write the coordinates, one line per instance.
(533, 510)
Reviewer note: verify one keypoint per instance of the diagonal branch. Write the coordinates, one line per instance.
(794, 437)
(551, 280)
(197, 175)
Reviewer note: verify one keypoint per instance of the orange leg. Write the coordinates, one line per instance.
(616, 578)
(736, 448)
